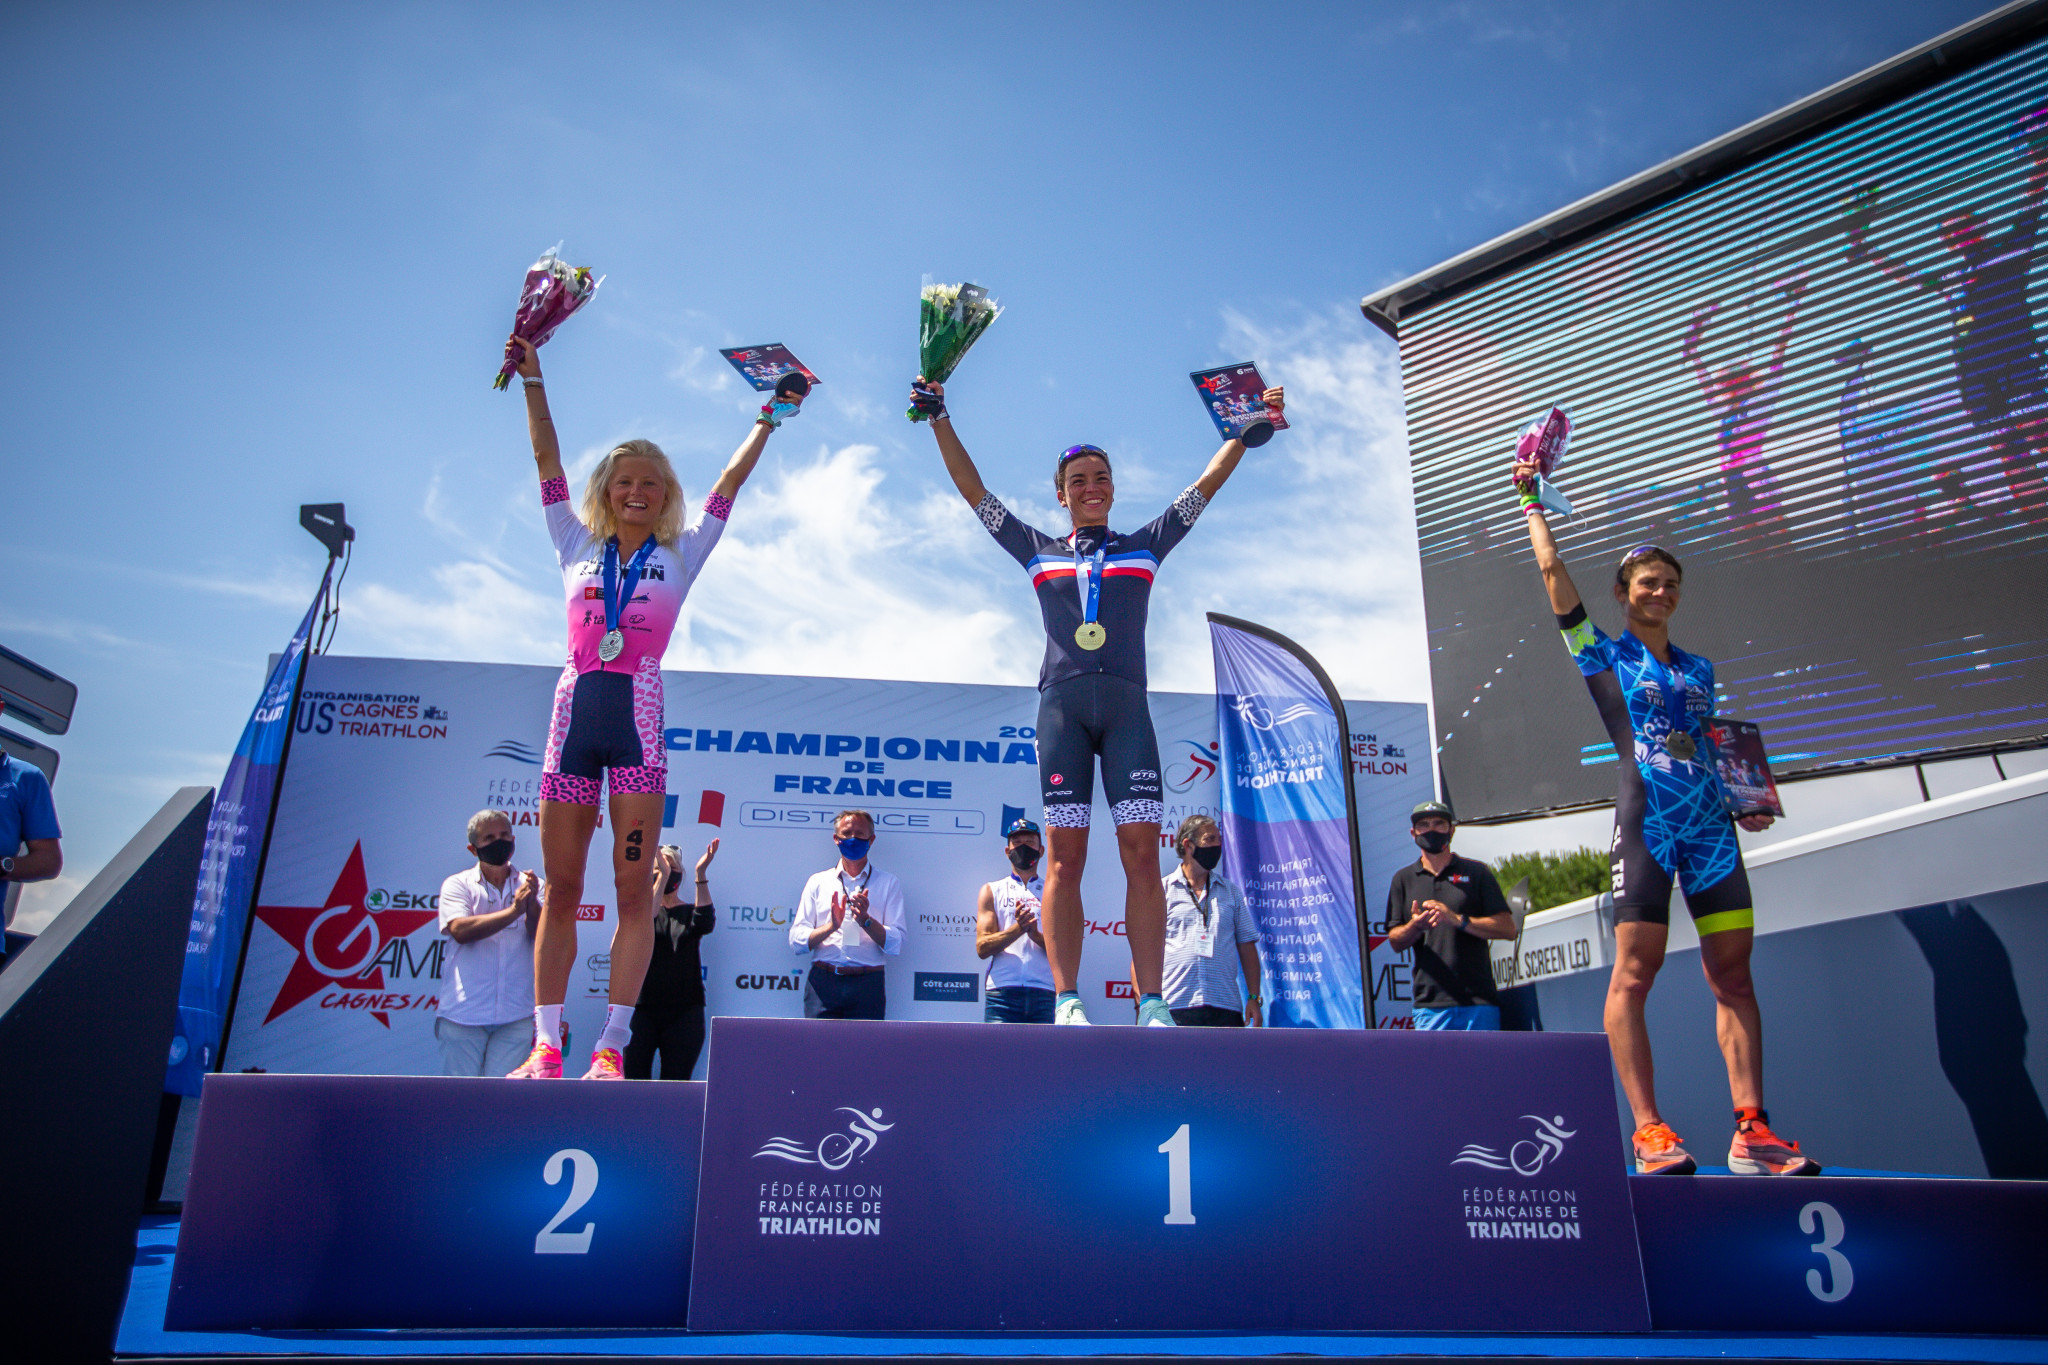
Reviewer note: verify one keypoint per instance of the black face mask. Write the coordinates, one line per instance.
(1207, 858)
(1432, 840)
(1024, 857)
(496, 853)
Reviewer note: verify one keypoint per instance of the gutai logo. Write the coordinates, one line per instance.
(1526, 1157)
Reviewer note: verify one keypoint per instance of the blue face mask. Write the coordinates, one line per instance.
(853, 850)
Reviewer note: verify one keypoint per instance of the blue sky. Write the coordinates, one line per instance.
(266, 255)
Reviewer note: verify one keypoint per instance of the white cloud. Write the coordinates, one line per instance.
(1323, 549)
(837, 565)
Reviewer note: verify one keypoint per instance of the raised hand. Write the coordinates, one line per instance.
(710, 852)
(927, 400)
(524, 354)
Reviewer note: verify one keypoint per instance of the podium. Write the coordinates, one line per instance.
(912, 1178)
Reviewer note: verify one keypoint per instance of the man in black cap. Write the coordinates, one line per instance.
(1446, 908)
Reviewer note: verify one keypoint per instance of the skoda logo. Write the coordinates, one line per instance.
(379, 899)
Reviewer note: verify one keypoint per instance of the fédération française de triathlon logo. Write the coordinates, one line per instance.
(1526, 1157)
(1256, 714)
(837, 1150)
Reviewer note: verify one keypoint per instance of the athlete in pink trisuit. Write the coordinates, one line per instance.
(627, 562)
(1745, 394)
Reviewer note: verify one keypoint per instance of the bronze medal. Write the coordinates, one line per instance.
(1680, 746)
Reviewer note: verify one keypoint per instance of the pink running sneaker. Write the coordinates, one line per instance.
(544, 1063)
(606, 1065)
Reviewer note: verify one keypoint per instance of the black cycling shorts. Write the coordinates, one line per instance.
(1642, 886)
(1079, 718)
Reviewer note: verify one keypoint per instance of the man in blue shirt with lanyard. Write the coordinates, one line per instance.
(29, 849)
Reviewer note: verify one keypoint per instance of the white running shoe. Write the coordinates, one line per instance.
(1154, 1014)
(1069, 1011)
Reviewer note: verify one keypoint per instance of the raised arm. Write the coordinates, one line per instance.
(1690, 347)
(1794, 291)
(743, 460)
(931, 399)
(1862, 215)
(540, 427)
(1224, 462)
(1557, 581)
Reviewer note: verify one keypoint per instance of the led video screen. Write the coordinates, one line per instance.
(1819, 381)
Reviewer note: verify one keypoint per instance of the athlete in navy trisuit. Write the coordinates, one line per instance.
(2000, 373)
(1670, 823)
(1093, 587)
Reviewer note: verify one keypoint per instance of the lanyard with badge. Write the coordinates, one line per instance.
(1205, 929)
(851, 935)
(617, 594)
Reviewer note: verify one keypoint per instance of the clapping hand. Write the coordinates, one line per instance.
(857, 904)
(838, 909)
(710, 852)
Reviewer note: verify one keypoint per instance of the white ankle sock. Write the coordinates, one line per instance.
(618, 1027)
(547, 1025)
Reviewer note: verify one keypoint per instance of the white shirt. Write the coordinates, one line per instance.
(851, 946)
(487, 981)
(1191, 976)
(1023, 963)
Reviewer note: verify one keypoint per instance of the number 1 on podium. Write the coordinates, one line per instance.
(1179, 1189)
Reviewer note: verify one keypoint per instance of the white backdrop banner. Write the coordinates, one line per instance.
(390, 757)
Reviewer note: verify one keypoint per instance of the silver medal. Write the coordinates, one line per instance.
(612, 646)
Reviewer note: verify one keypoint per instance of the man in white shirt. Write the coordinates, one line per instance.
(1019, 989)
(485, 1026)
(849, 919)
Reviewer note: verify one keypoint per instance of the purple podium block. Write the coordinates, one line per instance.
(428, 1202)
(1750, 1254)
(900, 1177)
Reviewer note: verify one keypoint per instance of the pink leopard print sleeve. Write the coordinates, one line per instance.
(553, 491)
(716, 506)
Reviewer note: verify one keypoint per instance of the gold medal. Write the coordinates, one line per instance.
(1680, 746)
(1090, 635)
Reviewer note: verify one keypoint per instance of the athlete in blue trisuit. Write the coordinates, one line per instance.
(1093, 586)
(1670, 823)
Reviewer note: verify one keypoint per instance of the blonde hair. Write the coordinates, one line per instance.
(596, 511)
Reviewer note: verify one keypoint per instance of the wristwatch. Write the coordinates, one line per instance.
(6, 868)
(1464, 920)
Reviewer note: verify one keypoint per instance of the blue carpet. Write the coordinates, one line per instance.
(142, 1334)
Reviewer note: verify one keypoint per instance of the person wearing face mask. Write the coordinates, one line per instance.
(1445, 908)
(1206, 918)
(1006, 932)
(848, 921)
(485, 1024)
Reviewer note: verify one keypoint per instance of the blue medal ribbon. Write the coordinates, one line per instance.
(1091, 595)
(617, 594)
(1672, 678)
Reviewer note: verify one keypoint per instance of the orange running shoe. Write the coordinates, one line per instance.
(544, 1063)
(606, 1065)
(1658, 1152)
(1757, 1150)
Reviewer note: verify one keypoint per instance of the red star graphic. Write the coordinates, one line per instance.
(1373, 942)
(342, 936)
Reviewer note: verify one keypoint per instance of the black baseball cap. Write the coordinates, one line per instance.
(1431, 808)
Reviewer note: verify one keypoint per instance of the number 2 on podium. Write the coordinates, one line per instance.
(1180, 1197)
(548, 1242)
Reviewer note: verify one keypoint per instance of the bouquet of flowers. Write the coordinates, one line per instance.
(554, 289)
(1543, 443)
(951, 318)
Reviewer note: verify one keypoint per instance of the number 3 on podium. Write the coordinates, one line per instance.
(1180, 1197)
(584, 1184)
